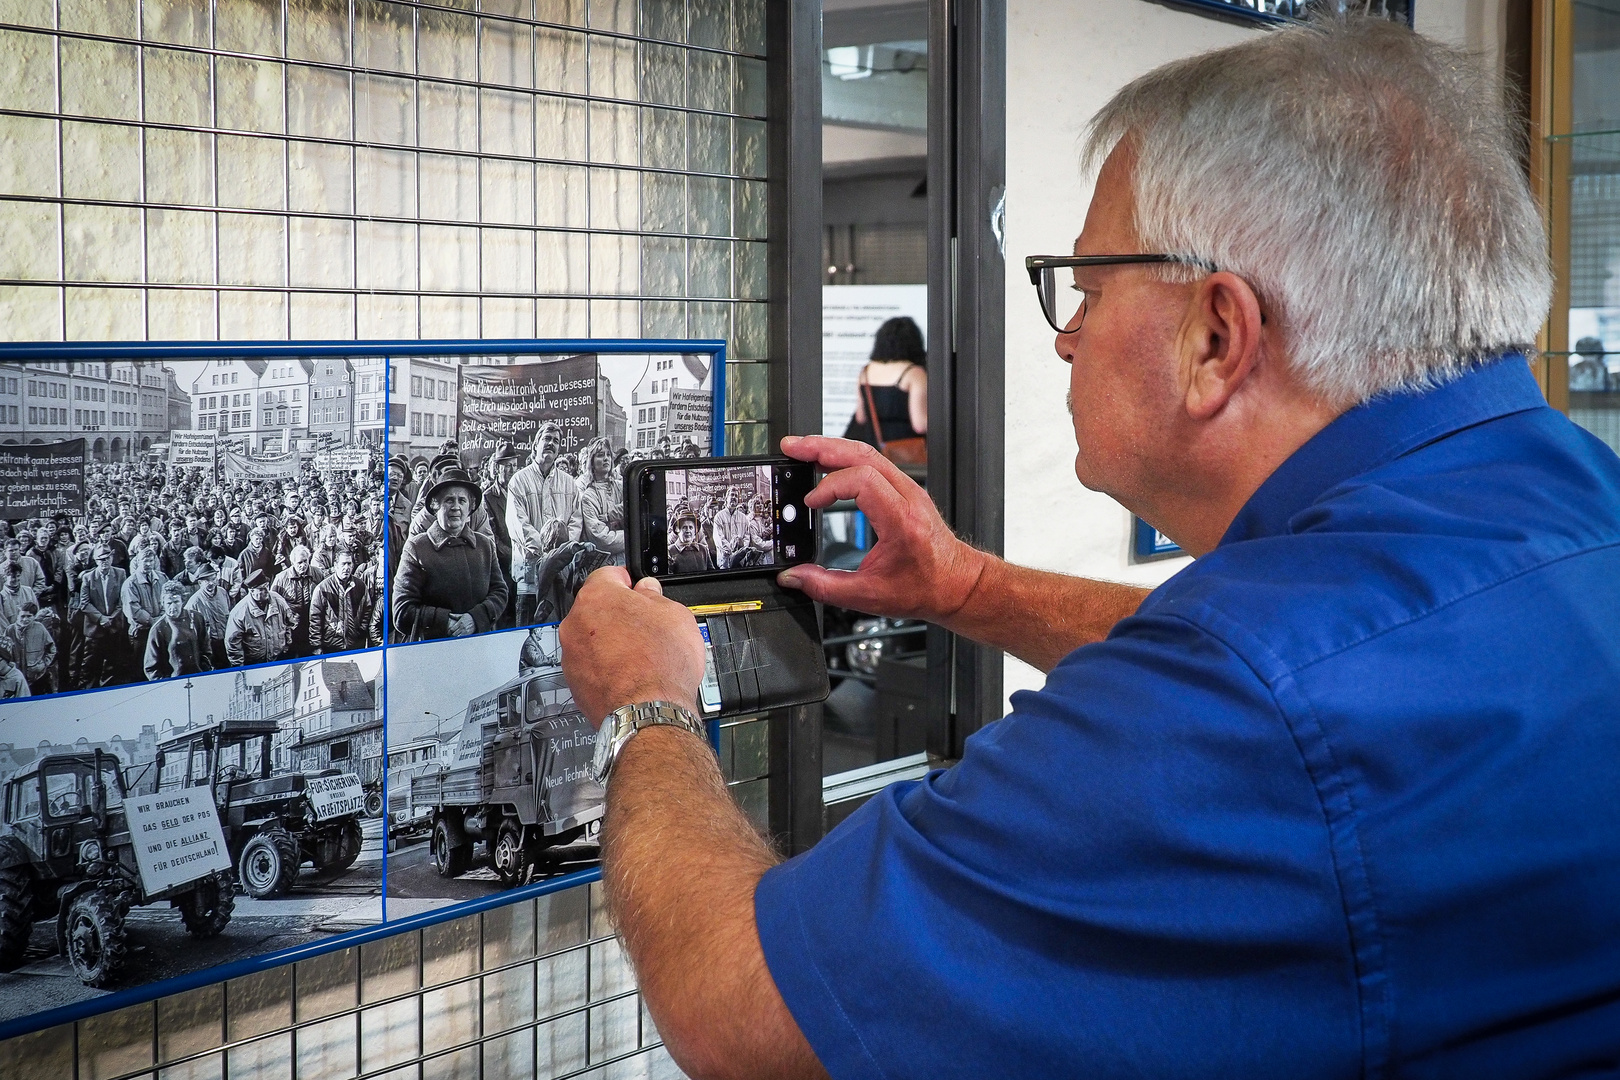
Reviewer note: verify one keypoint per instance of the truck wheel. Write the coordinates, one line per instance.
(511, 861)
(96, 942)
(374, 804)
(269, 863)
(15, 921)
(348, 847)
(451, 859)
(206, 910)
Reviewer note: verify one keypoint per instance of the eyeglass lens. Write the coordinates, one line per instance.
(1049, 290)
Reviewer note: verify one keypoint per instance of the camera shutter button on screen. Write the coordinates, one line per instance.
(790, 512)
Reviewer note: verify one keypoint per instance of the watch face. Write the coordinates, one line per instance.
(603, 756)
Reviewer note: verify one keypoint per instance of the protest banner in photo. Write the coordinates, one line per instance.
(41, 479)
(177, 838)
(346, 459)
(691, 417)
(197, 449)
(507, 403)
(240, 466)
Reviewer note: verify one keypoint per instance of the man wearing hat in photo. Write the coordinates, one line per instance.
(498, 469)
(101, 608)
(261, 624)
(213, 603)
(449, 582)
(178, 642)
(399, 505)
(688, 554)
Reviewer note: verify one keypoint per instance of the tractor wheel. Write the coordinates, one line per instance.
(96, 941)
(269, 863)
(16, 921)
(374, 803)
(511, 861)
(348, 848)
(206, 909)
(449, 857)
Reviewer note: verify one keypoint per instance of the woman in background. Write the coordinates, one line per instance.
(899, 385)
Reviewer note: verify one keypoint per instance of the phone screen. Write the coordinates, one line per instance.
(726, 519)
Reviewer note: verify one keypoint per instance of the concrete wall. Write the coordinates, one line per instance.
(1064, 60)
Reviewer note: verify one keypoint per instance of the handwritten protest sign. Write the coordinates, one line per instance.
(691, 417)
(177, 838)
(193, 448)
(239, 466)
(335, 796)
(41, 479)
(508, 403)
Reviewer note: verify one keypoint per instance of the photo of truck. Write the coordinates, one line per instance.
(508, 797)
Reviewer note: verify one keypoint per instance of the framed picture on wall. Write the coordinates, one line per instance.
(213, 556)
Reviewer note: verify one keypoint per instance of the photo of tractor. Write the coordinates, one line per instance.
(68, 855)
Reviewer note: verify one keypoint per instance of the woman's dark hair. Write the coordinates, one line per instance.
(899, 339)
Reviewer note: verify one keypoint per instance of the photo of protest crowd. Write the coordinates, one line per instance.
(165, 568)
(719, 519)
(502, 524)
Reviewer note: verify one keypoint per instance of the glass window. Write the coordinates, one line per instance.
(65, 795)
(1583, 155)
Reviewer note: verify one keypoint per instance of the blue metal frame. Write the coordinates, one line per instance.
(1233, 10)
(185, 350)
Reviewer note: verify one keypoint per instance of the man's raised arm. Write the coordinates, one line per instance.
(919, 569)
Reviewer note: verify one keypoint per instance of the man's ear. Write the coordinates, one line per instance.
(1220, 341)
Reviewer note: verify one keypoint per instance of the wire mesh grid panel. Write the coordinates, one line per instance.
(538, 988)
(333, 169)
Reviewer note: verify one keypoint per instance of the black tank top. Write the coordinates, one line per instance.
(893, 406)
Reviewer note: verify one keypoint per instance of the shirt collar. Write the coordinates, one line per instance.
(1379, 431)
(439, 537)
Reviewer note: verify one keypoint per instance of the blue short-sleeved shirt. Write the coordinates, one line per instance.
(1342, 799)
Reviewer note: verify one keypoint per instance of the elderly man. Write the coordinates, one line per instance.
(449, 581)
(1337, 799)
(296, 585)
(213, 602)
(542, 514)
(731, 528)
(142, 595)
(99, 603)
(261, 624)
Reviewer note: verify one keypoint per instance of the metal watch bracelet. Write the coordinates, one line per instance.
(626, 720)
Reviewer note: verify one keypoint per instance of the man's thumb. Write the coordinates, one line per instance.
(650, 585)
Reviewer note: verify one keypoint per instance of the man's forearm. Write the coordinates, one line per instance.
(1039, 616)
(680, 862)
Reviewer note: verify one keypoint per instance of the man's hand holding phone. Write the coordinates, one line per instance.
(918, 569)
(623, 645)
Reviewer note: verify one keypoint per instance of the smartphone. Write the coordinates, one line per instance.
(692, 519)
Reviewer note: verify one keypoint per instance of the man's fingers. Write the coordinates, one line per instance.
(843, 588)
(650, 585)
(609, 575)
(832, 453)
(873, 494)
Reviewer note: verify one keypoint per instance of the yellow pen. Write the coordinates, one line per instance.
(726, 609)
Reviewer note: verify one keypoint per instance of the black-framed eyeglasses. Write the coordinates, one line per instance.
(1043, 275)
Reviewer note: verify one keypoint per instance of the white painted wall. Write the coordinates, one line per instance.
(1065, 58)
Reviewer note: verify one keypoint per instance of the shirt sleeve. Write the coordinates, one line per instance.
(1128, 875)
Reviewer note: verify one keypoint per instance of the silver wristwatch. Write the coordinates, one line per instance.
(625, 721)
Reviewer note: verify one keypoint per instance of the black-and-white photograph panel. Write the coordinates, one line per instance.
(489, 778)
(720, 519)
(165, 518)
(507, 477)
(151, 831)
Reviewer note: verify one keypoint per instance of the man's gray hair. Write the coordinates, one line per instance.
(1364, 180)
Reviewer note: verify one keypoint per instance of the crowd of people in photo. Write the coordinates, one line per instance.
(505, 540)
(727, 530)
(172, 571)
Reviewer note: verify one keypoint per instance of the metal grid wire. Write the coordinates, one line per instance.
(191, 170)
(539, 988)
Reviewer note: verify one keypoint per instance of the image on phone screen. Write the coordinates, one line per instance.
(710, 519)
